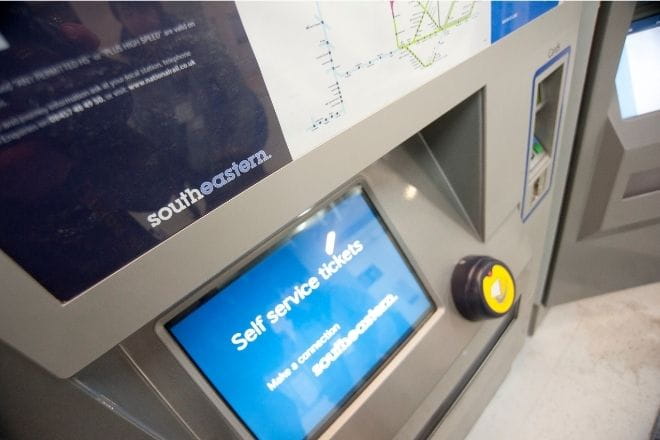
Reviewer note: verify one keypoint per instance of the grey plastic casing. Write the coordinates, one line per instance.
(64, 338)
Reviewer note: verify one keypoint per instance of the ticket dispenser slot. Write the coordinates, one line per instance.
(455, 142)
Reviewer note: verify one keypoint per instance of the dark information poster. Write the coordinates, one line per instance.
(120, 124)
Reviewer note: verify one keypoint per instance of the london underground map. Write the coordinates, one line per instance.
(328, 65)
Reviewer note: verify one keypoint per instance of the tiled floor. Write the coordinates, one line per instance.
(592, 371)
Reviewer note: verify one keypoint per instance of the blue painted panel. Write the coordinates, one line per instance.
(508, 16)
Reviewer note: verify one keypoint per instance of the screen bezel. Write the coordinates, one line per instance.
(258, 254)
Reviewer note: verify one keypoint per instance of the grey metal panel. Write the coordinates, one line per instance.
(117, 380)
(175, 386)
(608, 164)
(639, 141)
(626, 211)
(642, 182)
(618, 237)
(34, 405)
(481, 387)
(471, 355)
(627, 147)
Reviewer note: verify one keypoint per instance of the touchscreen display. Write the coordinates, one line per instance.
(637, 79)
(120, 124)
(288, 341)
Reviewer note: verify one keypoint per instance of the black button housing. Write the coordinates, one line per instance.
(466, 287)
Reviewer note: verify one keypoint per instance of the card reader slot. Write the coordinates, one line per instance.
(544, 127)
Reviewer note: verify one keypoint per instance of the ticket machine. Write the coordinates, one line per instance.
(611, 211)
(321, 220)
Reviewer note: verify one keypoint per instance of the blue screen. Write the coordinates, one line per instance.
(288, 341)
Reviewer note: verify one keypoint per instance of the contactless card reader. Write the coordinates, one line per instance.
(482, 287)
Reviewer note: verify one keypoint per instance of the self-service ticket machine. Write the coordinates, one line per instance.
(272, 220)
(612, 209)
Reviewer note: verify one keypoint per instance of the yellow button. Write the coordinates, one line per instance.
(498, 289)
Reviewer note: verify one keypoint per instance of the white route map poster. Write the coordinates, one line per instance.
(329, 65)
